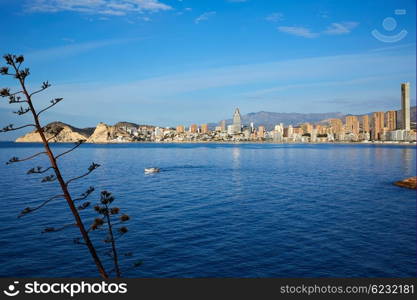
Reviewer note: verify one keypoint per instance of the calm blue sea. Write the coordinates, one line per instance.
(215, 210)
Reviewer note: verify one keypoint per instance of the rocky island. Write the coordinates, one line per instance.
(410, 183)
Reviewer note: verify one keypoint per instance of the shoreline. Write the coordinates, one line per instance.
(234, 143)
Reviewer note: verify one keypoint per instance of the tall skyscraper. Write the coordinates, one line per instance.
(193, 128)
(336, 126)
(391, 120)
(307, 128)
(365, 123)
(261, 131)
(377, 125)
(405, 105)
(236, 127)
(352, 125)
(204, 128)
(237, 119)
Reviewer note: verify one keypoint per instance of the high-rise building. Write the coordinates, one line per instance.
(377, 124)
(352, 125)
(222, 125)
(204, 128)
(307, 128)
(391, 120)
(365, 123)
(405, 105)
(261, 131)
(180, 129)
(320, 129)
(236, 127)
(237, 119)
(336, 126)
(290, 132)
(193, 128)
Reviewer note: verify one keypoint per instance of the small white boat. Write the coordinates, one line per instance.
(152, 170)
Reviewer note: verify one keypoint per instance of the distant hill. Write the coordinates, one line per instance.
(58, 132)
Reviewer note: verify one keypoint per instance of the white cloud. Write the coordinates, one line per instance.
(102, 7)
(340, 28)
(275, 17)
(332, 29)
(298, 31)
(204, 17)
(72, 49)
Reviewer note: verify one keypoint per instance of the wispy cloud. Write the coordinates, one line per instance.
(340, 28)
(102, 7)
(72, 49)
(298, 31)
(204, 17)
(275, 17)
(332, 29)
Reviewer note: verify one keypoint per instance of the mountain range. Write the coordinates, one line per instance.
(270, 119)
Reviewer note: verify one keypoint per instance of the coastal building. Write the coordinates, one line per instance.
(336, 126)
(261, 131)
(222, 126)
(158, 132)
(290, 132)
(352, 125)
(193, 128)
(237, 119)
(377, 125)
(307, 128)
(204, 128)
(321, 129)
(236, 127)
(391, 120)
(180, 129)
(365, 124)
(313, 137)
(405, 105)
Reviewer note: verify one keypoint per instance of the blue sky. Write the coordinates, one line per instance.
(168, 62)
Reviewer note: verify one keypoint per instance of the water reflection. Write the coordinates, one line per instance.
(236, 157)
(406, 159)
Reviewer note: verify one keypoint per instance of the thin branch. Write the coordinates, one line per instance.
(54, 102)
(91, 168)
(52, 137)
(11, 128)
(113, 242)
(16, 159)
(78, 144)
(38, 170)
(45, 85)
(22, 111)
(85, 194)
(32, 209)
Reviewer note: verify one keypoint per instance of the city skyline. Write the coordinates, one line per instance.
(181, 60)
(380, 126)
